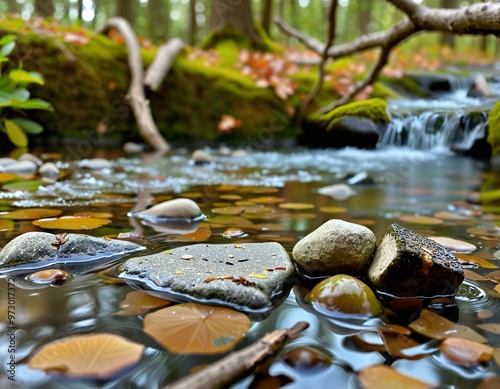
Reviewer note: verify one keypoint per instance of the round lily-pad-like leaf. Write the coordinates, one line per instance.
(30, 213)
(196, 329)
(97, 355)
(71, 223)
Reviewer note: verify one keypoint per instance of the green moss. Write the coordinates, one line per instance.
(374, 109)
(494, 129)
(405, 85)
(242, 40)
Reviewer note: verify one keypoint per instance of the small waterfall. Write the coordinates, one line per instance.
(435, 130)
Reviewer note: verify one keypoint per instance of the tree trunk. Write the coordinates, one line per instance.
(80, 9)
(96, 10)
(266, 15)
(159, 20)
(44, 8)
(447, 38)
(364, 16)
(192, 22)
(13, 6)
(236, 14)
(124, 9)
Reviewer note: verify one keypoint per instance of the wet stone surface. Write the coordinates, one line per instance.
(247, 276)
(40, 249)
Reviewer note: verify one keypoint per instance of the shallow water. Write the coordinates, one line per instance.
(401, 182)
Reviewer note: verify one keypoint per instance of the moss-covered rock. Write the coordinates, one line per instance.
(494, 129)
(340, 125)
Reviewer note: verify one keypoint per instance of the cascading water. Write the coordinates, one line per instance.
(450, 121)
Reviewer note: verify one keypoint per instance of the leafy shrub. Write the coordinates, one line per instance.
(15, 97)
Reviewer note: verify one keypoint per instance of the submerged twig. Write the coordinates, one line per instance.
(235, 365)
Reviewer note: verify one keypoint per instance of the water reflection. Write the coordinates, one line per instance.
(403, 183)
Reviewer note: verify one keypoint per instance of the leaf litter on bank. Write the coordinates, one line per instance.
(191, 328)
(93, 356)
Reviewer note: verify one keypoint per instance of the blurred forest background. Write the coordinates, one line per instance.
(190, 20)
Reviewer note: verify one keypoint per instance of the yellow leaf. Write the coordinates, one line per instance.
(71, 223)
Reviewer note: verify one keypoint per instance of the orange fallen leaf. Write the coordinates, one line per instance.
(432, 325)
(227, 124)
(191, 328)
(385, 377)
(465, 352)
(71, 223)
(95, 355)
(139, 302)
(30, 213)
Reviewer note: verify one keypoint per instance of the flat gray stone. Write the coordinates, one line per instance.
(336, 247)
(21, 167)
(409, 265)
(34, 250)
(196, 273)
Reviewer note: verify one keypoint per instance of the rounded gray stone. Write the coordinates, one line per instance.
(200, 157)
(95, 164)
(336, 247)
(26, 167)
(49, 170)
(249, 276)
(30, 157)
(34, 250)
(177, 209)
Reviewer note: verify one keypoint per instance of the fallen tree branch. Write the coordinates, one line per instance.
(162, 63)
(135, 96)
(476, 19)
(237, 364)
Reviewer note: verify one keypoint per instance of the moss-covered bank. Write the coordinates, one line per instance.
(87, 83)
(494, 129)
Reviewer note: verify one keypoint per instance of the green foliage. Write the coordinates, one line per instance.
(15, 97)
(494, 129)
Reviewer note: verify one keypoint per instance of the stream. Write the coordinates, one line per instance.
(412, 175)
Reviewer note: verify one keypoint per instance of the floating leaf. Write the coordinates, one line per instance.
(6, 225)
(465, 352)
(71, 223)
(480, 261)
(307, 358)
(30, 213)
(396, 343)
(468, 333)
(96, 355)
(494, 328)
(470, 275)
(23, 185)
(4, 177)
(445, 215)
(266, 200)
(196, 329)
(97, 215)
(484, 314)
(496, 355)
(490, 382)
(412, 219)
(453, 244)
(333, 209)
(230, 197)
(229, 210)
(385, 377)
(432, 325)
(296, 206)
(139, 302)
(200, 235)
(49, 276)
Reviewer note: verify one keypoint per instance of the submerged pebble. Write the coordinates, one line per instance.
(95, 164)
(30, 157)
(337, 191)
(200, 157)
(177, 209)
(26, 167)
